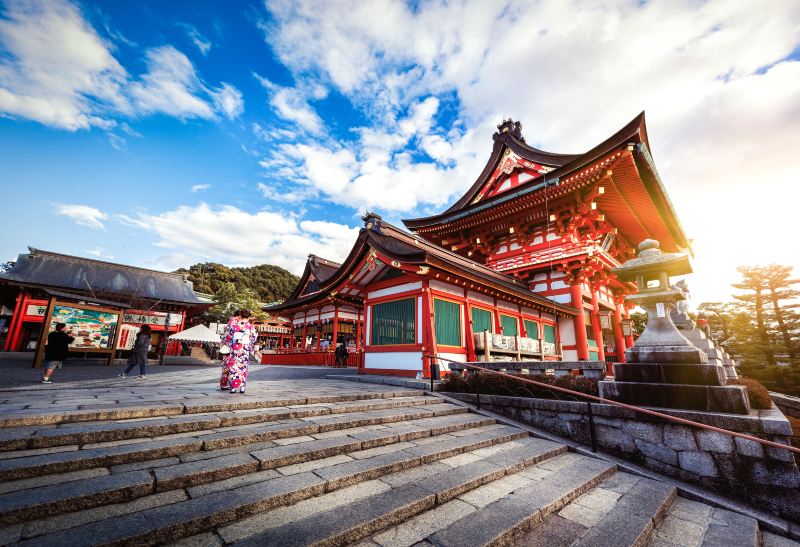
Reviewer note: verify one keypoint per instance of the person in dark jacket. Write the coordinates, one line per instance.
(56, 350)
(139, 353)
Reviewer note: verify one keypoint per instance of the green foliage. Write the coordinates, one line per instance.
(638, 322)
(493, 384)
(269, 283)
(230, 298)
(756, 392)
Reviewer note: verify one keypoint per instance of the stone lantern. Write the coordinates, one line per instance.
(663, 368)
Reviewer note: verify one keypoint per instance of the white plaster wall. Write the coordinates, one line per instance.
(540, 287)
(399, 360)
(446, 287)
(570, 355)
(559, 285)
(507, 306)
(312, 317)
(327, 308)
(347, 315)
(368, 324)
(327, 315)
(477, 297)
(549, 316)
(566, 329)
(528, 311)
(298, 321)
(396, 289)
(540, 276)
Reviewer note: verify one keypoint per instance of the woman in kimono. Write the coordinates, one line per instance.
(240, 335)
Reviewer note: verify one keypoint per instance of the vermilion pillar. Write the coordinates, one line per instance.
(581, 343)
(619, 339)
(597, 330)
(16, 323)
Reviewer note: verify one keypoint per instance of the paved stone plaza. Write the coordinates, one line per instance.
(301, 461)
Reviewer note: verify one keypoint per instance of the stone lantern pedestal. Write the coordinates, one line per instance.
(663, 368)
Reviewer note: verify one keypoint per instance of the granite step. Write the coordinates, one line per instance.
(621, 511)
(94, 432)
(215, 508)
(123, 453)
(22, 417)
(347, 523)
(508, 519)
(693, 524)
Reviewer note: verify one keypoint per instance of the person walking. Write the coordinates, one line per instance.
(56, 350)
(139, 353)
(239, 338)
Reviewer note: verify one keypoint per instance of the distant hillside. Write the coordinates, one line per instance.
(270, 282)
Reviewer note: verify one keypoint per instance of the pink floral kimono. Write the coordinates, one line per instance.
(240, 335)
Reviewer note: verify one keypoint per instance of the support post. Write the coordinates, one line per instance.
(581, 343)
(592, 434)
(16, 323)
(597, 330)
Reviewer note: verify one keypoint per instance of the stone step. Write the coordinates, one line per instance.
(53, 499)
(695, 524)
(123, 453)
(502, 522)
(82, 433)
(213, 509)
(20, 417)
(347, 523)
(622, 511)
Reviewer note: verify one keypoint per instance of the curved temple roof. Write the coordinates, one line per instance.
(509, 137)
(415, 255)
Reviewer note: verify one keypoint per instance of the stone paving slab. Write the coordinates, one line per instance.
(79, 494)
(510, 517)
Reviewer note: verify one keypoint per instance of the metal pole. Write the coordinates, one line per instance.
(591, 426)
(431, 371)
(478, 390)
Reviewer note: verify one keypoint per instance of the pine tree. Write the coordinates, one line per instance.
(779, 283)
(755, 279)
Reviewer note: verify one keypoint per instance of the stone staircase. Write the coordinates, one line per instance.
(368, 468)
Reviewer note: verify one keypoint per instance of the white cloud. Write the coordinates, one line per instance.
(84, 215)
(231, 236)
(200, 187)
(228, 101)
(202, 43)
(99, 252)
(56, 69)
(292, 105)
(720, 91)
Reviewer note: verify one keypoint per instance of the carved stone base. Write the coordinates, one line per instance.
(727, 399)
(702, 375)
(683, 354)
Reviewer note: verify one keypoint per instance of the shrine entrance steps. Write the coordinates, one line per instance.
(368, 468)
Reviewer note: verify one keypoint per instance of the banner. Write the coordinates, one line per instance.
(152, 318)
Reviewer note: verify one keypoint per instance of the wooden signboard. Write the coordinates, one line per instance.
(95, 329)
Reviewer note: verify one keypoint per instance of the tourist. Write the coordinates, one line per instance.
(239, 338)
(141, 346)
(56, 350)
(341, 355)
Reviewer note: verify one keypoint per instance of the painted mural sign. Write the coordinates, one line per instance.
(92, 329)
(152, 318)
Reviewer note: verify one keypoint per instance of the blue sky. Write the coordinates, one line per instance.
(165, 133)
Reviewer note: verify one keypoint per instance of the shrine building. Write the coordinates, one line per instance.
(521, 262)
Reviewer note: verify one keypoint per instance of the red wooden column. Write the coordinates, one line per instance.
(597, 330)
(469, 342)
(428, 331)
(16, 322)
(581, 343)
(619, 339)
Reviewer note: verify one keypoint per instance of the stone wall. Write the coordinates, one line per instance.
(787, 404)
(768, 477)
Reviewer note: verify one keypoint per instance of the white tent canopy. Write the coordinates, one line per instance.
(198, 333)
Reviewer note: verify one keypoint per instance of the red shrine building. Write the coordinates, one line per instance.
(521, 262)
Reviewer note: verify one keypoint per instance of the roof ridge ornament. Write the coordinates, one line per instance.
(373, 221)
(509, 126)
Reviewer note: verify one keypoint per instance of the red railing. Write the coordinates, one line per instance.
(634, 408)
(309, 356)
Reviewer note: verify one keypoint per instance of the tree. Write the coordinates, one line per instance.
(230, 298)
(6, 266)
(755, 279)
(270, 283)
(779, 283)
(638, 322)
